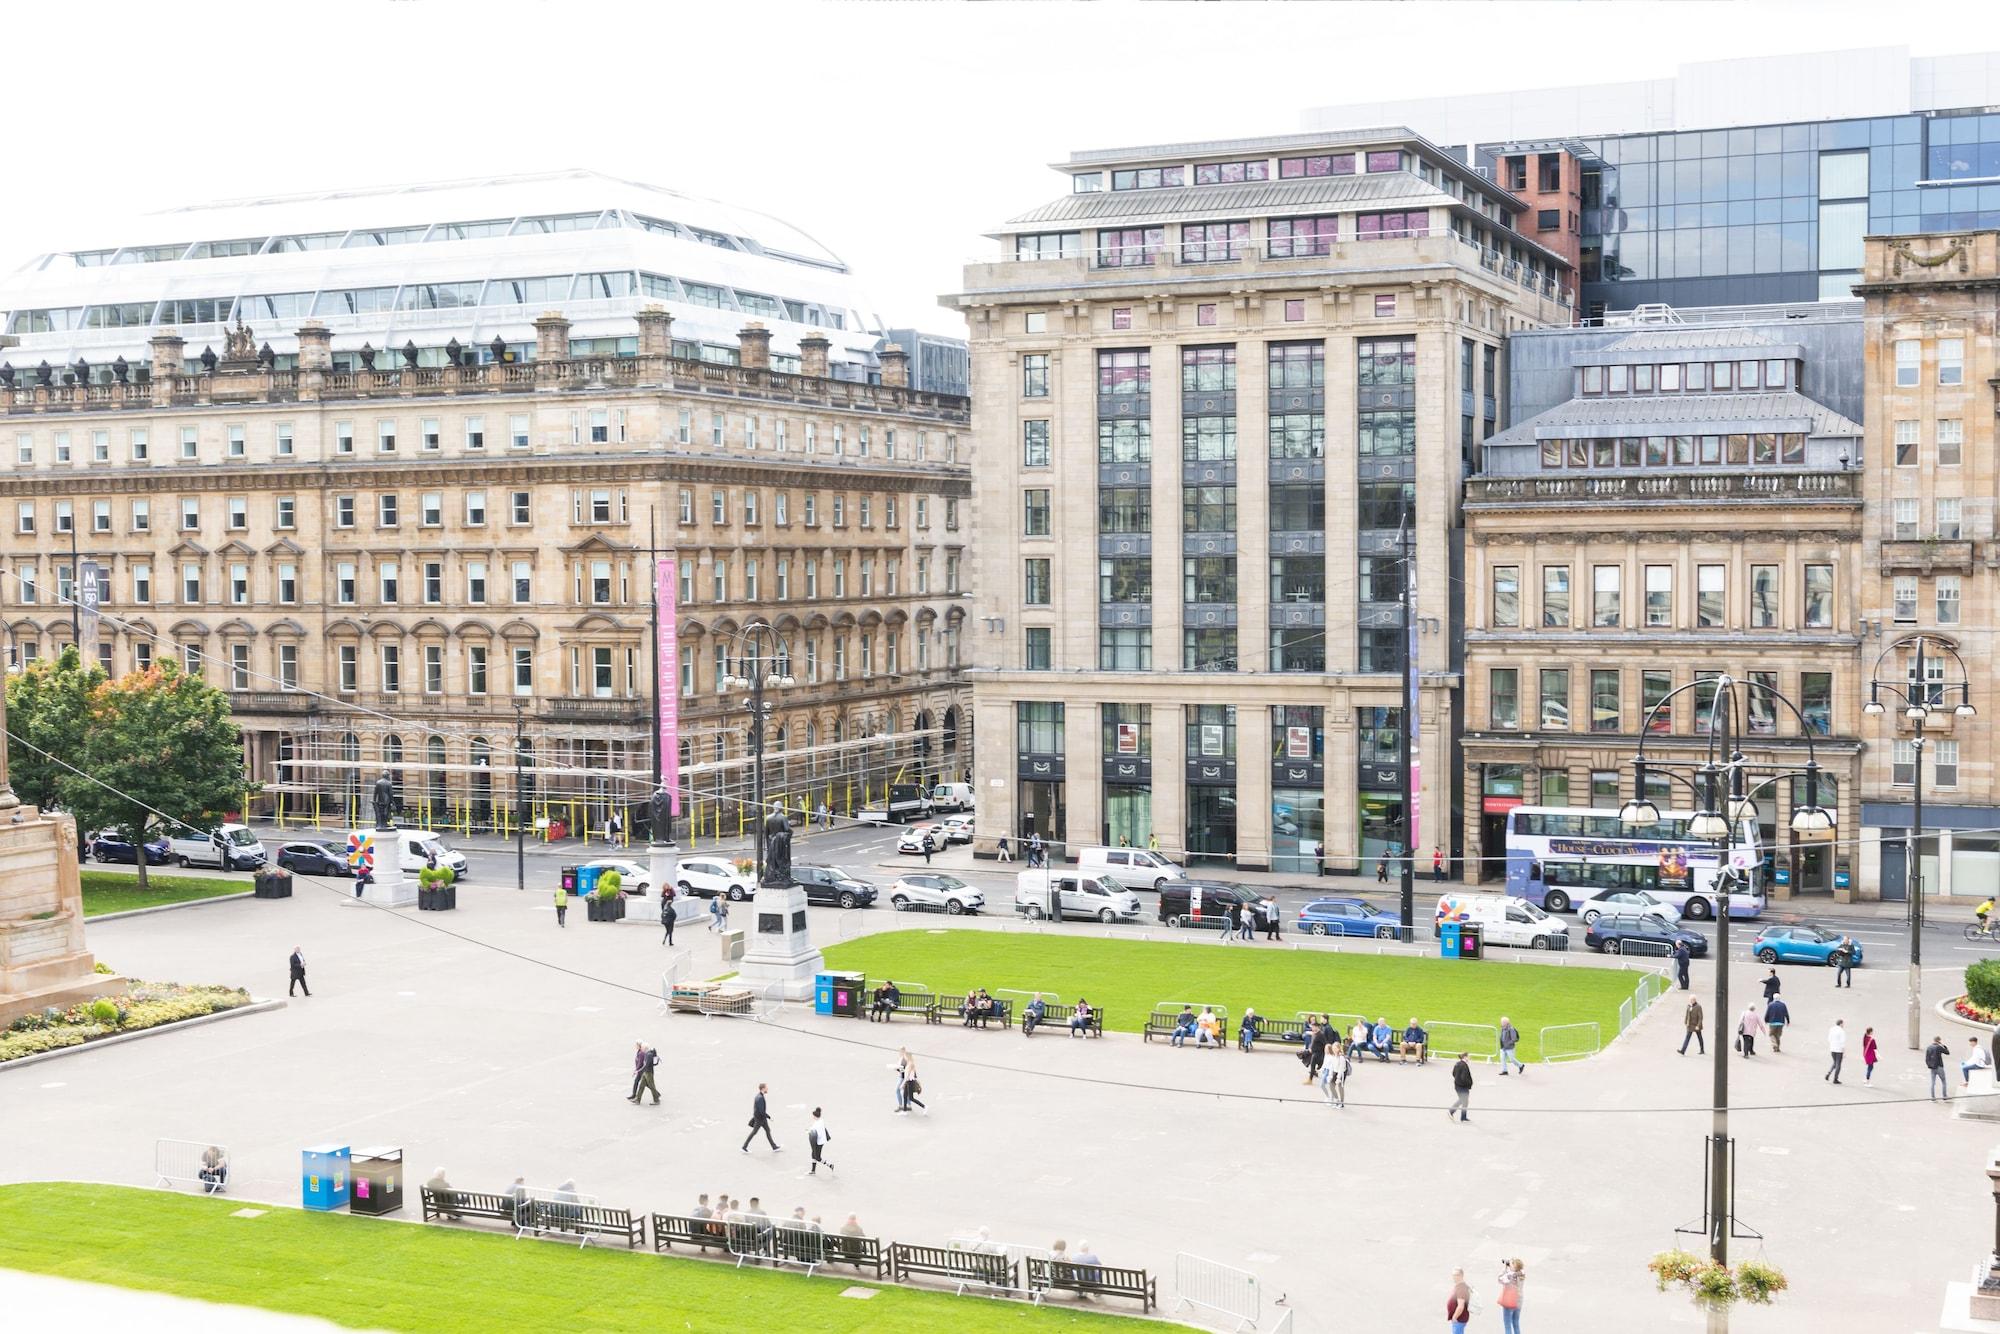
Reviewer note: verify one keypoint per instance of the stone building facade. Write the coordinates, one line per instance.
(382, 565)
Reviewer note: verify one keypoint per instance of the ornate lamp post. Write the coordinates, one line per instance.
(765, 662)
(1724, 803)
(1919, 696)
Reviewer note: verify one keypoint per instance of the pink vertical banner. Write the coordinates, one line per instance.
(666, 676)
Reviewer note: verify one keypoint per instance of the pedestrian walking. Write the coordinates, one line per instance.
(912, 1086)
(1458, 1306)
(298, 973)
(1333, 1075)
(1747, 1029)
(1692, 1018)
(1843, 969)
(1682, 955)
(718, 914)
(1152, 842)
(1437, 864)
(613, 827)
(1869, 1052)
(818, 1136)
(1510, 1037)
(825, 816)
(1836, 1047)
(638, 1068)
(1771, 985)
(1274, 921)
(1776, 1015)
(649, 1061)
(1381, 870)
(1512, 1274)
(1006, 853)
(760, 1119)
(1934, 1056)
(905, 1069)
(667, 913)
(1246, 925)
(1461, 1083)
(562, 906)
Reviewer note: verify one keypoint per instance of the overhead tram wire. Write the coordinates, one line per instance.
(1098, 1081)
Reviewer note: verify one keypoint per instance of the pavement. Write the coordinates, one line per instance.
(41, 1301)
(492, 1043)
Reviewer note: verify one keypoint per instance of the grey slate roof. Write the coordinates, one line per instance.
(1196, 203)
(1676, 337)
(1679, 414)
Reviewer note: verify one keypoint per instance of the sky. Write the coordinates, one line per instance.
(896, 133)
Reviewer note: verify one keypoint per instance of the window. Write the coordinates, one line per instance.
(1335, 164)
(1659, 595)
(433, 669)
(1036, 589)
(1295, 311)
(1118, 650)
(350, 671)
(142, 584)
(1906, 518)
(1506, 596)
(1377, 226)
(1035, 375)
(1710, 596)
(1947, 599)
(433, 582)
(343, 437)
(100, 516)
(1903, 598)
(386, 511)
(25, 517)
(239, 585)
(138, 445)
(1504, 697)
(385, 435)
(475, 582)
(1604, 701)
(288, 666)
(1909, 362)
(1949, 523)
(517, 430)
(343, 582)
(1035, 512)
(190, 443)
(524, 671)
(238, 446)
(1950, 441)
(1555, 596)
(190, 514)
(1819, 597)
(432, 438)
(1944, 763)
(288, 584)
(1039, 655)
(1763, 596)
(475, 670)
(1604, 596)
(1906, 443)
(1385, 305)
(1654, 687)
(1298, 238)
(392, 669)
(191, 583)
(1213, 242)
(475, 432)
(1555, 699)
(1951, 361)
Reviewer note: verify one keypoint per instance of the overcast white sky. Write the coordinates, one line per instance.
(894, 132)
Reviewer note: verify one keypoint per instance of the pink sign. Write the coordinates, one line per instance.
(666, 680)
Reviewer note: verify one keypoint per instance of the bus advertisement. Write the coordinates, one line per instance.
(1558, 856)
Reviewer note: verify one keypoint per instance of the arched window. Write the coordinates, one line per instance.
(482, 781)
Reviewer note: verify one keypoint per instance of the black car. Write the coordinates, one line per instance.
(1177, 903)
(1640, 933)
(111, 846)
(830, 886)
(313, 859)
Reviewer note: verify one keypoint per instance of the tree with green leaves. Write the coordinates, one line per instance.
(163, 753)
(47, 707)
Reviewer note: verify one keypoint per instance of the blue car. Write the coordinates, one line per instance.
(1805, 942)
(1348, 917)
(112, 846)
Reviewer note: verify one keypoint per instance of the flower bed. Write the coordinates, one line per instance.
(146, 1005)
(1964, 1008)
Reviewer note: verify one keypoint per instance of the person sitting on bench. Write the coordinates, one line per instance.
(1034, 1015)
(1246, 1031)
(1415, 1039)
(1362, 1039)
(1208, 1028)
(1379, 1038)
(214, 1170)
(1079, 1018)
(887, 998)
(442, 1194)
(1183, 1027)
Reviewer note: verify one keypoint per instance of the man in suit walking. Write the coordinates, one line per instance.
(760, 1119)
(1681, 956)
(298, 973)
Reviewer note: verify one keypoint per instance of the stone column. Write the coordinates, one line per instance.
(551, 336)
(167, 349)
(895, 367)
(1253, 782)
(656, 332)
(755, 341)
(8, 801)
(315, 359)
(1169, 778)
(1083, 774)
(812, 354)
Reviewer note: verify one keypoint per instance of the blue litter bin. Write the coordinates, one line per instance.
(823, 993)
(1448, 940)
(586, 880)
(323, 1175)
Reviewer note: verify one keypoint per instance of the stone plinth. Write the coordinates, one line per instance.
(389, 888)
(780, 948)
(43, 958)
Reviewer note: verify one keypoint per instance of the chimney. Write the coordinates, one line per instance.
(315, 346)
(551, 336)
(656, 332)
(167, 354)
(756, 343)
(812, 354)
(895, 367)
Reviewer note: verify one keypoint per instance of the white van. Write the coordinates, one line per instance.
(1502, 920)
(948, 797)
(1135, 868)
(232, 847)
(416, 843)
(1081, 896)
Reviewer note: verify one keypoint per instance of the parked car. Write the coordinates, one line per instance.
(314, 859)
(833, 886)
(1178, 906)
(912, 839)
(1134, 868)
(632, 877)
(902, 803)
(710, 876)
(925, 890)
(1627, 901)
(1349, 917)
(110, 845)
(1074, 895)
(1631, 932)
(1806, 942)
(1503, 920)
(233, 847)
(951, 797)
(958, 829)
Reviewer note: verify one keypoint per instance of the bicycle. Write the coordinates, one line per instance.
(1982, 930)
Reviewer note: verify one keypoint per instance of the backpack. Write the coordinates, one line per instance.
(652, 1058)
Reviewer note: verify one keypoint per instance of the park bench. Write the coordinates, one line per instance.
(965, 1268)
(909, 1002)
(1162, 1022)
(952, 1007)
(1288, 1033)
(583, 1221)
(1055, 1018)
(1091, 1280)
(701, 1233)
(461, 1204)
(861, 1252)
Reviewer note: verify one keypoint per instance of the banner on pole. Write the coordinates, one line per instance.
(666, 677)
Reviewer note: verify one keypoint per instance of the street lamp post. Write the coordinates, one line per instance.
(1919, 696)
(1723, 805)
(759, 668)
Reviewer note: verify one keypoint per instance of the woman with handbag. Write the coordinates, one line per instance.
(1511, 1276)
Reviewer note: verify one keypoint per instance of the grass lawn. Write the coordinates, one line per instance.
(375, 1274)
(117, 891)
(1126, 978)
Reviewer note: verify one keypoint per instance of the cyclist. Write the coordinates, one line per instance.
(1982, 911)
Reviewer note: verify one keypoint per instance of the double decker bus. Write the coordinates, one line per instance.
(1558, 856)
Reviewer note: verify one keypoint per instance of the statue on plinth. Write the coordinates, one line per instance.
(662, 815)
(385, 802)
(777, 849)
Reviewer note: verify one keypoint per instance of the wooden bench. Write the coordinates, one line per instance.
(952, 1007)
(1290, 1033)
(461, 1204)
(1091, 1280)
(1057, 1017)
(861, 1252)
(701, 1233)
(1163, 1023)
(910, 1002)
(583, 1221)
(965, 1268)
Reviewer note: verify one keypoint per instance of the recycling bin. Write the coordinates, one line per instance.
(1448, 938)
(838, 994)
(323, 1173)
(376, 1181)
(1470, 944)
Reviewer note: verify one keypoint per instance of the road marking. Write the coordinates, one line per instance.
(1773, 1149)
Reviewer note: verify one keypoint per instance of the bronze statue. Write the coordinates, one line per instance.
(777, 849)
(663, 816)
(385, 803)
